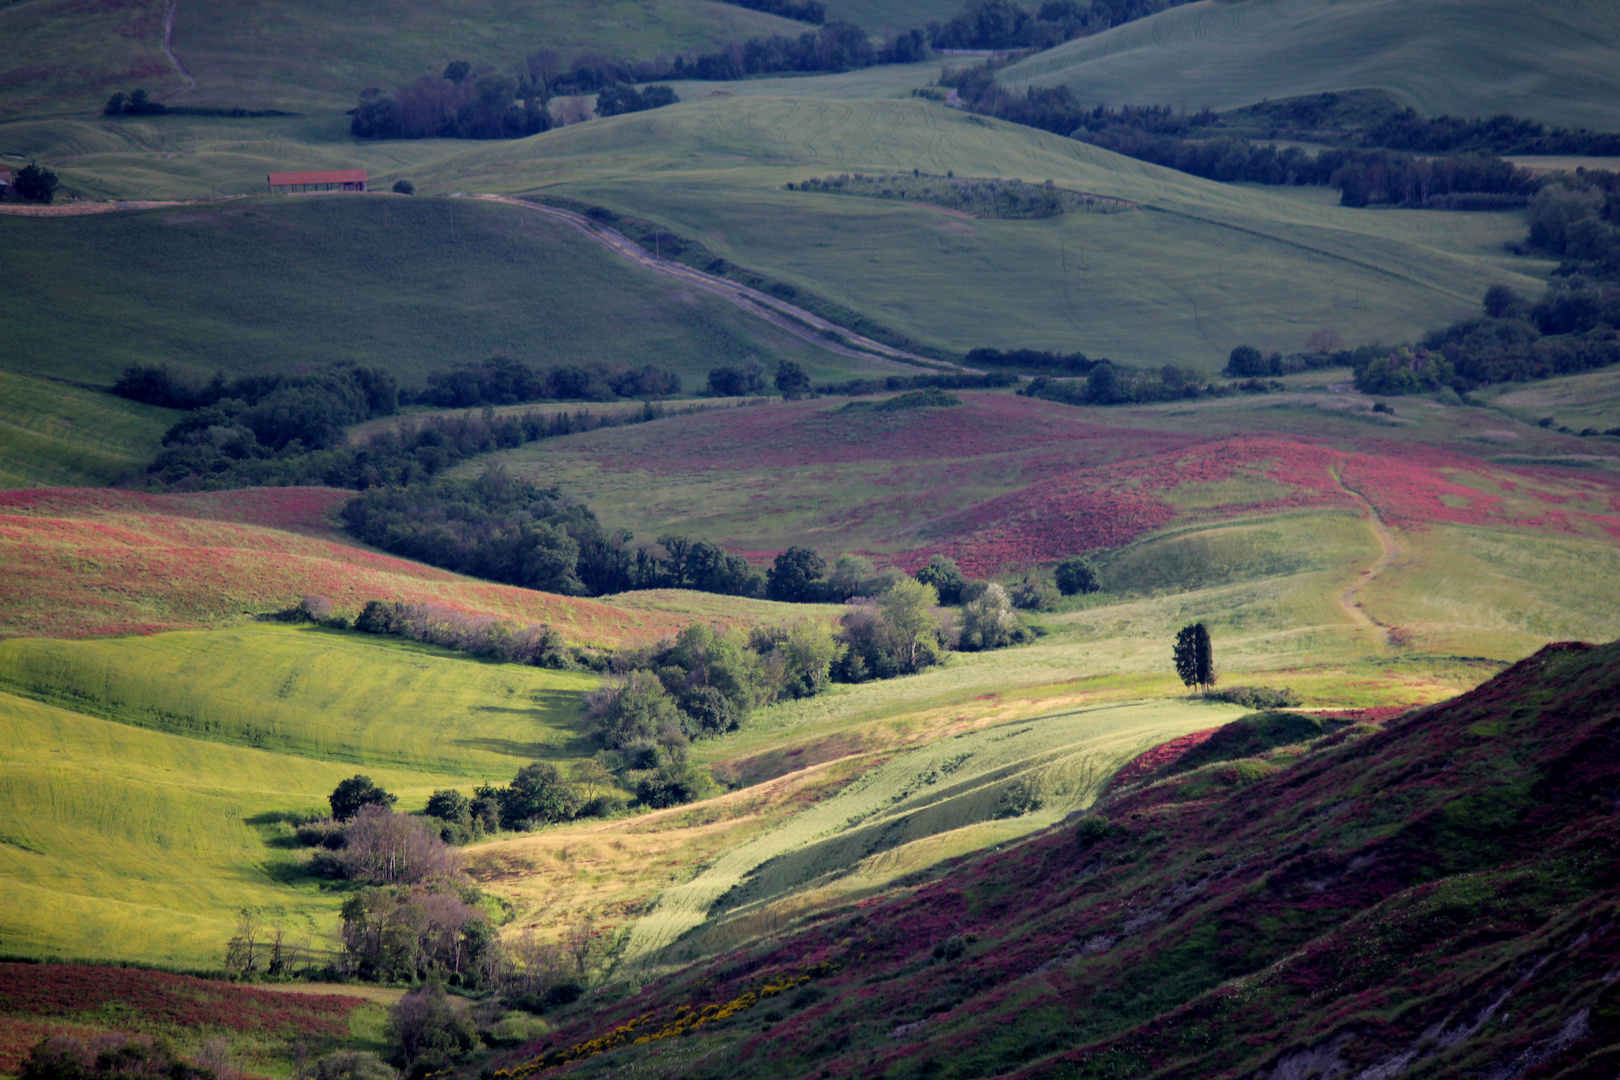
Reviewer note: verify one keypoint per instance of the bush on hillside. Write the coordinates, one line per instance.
(1257, 697)
(351, 1065)
(356, 792)
(107, 1057)
(430, 1030)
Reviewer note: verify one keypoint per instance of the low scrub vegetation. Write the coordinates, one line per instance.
(982, 197)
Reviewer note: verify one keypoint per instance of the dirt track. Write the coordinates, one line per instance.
(797, 321)
(1353, 608)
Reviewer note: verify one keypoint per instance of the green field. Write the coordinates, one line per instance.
(413, 285)
(303, 56)
(1578, 402)
(320, 694)
(953, 796)
(1200, 268)
(1550, 60)
(52, 433)
(127, 844)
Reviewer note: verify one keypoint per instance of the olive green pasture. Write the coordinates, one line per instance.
(412, 286)
(950, 797)
(54, 434)
(118, 843)
(304, 56)
(894, 15)
(1199, 268)
(326, 694)
(1590, 401)
(1549, 60)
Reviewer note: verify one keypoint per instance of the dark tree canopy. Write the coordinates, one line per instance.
(1077, 575)
(1194, 657)
(796, 576)
(357, 791)
(34, 183)
(946, 578)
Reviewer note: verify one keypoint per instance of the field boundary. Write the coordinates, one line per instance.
(799, 322)
(1348, 601)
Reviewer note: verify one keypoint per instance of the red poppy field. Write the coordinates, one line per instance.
(39, 1000)
(95, 563)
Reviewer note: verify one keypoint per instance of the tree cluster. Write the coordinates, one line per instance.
(400, 932)
(1363, 176)
(1116, 384)
(810, 11)
(1569, 330)
(497, 527)
(501, 380)
(1033, 361)
(135, 103)
(34, 184)
(481, 635)
(256, 417)
(415, 451)
(1578, 219)
(1194, 657)
(983, 197)
(995, 380)
(108, 1057)
(454, 106)
(615, 99)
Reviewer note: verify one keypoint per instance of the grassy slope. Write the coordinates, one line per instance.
(85, 563)
(1204, 267)
(1325, 912)
(341, 696)
(132, 844)
(1578, 402)
(1262, 548)
(309, 56)
(1546, 59)
(237, 286)
(55, 434)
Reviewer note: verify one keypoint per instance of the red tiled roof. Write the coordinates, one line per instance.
(332, 176)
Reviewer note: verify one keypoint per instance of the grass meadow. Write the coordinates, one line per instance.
(950, 797)
(334, 695)
(129, 844)
(425, 284)
(88, 563)
(303, 56)
(1200, 268)
(1546, 59)
(54, 434)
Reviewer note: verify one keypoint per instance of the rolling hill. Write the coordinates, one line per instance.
(411, 285)
(1548, 60)
(311, 57)
(1198, 268)
(1433, 897)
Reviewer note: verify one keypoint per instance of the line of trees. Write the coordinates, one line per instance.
(502, 380)
(254, 416)
(810, 11)
(456, 105)
(1569, 330)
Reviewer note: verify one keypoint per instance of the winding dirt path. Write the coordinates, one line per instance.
(1353, 608)
(797, 321)
(180, 69)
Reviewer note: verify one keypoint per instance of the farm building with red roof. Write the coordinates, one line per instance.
(286, 183)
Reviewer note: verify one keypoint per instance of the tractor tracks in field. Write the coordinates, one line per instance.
(180, 68)
(795, 320)
(1349, 603)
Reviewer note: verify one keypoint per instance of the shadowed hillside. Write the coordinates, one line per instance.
(1550, 60)
(1435, 897)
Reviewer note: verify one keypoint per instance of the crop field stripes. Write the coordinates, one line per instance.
(1018, 777)
(1326, 253)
